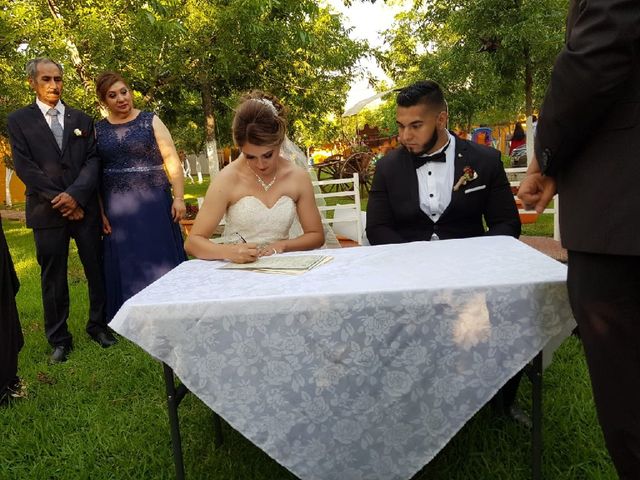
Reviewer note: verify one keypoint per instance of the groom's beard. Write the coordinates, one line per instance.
(427, 146)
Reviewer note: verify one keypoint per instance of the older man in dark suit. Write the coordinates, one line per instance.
(437, 186)
(588, 149)
(54, 152)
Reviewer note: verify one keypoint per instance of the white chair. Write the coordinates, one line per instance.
(346, 213)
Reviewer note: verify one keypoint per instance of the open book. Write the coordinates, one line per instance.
(287, 264)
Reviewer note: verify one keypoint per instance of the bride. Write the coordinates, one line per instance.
(262, 193)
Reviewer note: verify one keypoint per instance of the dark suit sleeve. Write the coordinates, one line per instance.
(86, 182)
(380, 222)
(589, 74)
(501, 214)
(27, 169)
(6, 264)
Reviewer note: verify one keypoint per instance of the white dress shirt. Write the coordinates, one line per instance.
(44, 108)
(435, 182)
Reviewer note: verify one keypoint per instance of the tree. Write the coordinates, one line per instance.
(493, 57)
(187, 60)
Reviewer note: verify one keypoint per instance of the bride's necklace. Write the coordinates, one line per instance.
(262, 183)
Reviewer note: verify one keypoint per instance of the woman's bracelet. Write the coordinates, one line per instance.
(178, 198)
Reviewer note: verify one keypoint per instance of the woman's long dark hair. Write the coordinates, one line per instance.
(518, 132)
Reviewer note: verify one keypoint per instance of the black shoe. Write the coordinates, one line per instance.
(104, 338)
(60, 354)
(13, 391)
(517, 415)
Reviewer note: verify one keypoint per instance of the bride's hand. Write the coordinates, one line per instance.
(243, 253)
(270, 249)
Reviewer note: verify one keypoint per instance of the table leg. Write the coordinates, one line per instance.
(217, 430)
(535, 375)
(172, 405)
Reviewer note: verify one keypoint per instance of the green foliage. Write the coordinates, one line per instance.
(490, 56)
(382, 116)
(173, 53)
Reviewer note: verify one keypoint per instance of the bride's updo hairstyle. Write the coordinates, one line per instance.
(260, 119)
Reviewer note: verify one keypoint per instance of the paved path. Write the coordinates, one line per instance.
(12, 215)
(548, 246)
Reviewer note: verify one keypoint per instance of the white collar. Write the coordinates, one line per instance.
(44, 108)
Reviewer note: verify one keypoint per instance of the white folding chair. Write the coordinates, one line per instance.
(345, 215)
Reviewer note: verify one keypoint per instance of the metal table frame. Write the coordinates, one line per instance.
(176, 393)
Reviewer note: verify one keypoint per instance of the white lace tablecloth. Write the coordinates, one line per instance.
(363, 368)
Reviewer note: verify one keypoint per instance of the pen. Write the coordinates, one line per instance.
(241, 238)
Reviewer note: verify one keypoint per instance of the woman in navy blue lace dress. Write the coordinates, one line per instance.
(142, 238)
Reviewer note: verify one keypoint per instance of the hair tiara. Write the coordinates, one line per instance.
(269, 104)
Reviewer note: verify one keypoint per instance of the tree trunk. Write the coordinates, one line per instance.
(211, 145)
(8, 173)
(72, 48)
(528, 95)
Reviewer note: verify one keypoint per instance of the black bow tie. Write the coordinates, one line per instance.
(441, 156)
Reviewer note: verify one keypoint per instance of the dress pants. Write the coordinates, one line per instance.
(52, 250)
(604, 291)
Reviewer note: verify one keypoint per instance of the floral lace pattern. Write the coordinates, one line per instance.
(365, 367)
(258, 223)
(130, 156)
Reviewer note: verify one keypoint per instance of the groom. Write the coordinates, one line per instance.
(54, 152)
(437, 186)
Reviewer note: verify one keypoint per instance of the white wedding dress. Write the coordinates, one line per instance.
(257, 223)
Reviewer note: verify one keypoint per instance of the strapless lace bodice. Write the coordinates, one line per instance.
(259, 224)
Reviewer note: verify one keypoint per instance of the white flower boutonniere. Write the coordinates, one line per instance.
(77, 132)
(468, 175)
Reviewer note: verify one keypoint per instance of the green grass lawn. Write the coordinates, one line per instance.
(194, 190)
(102, 414)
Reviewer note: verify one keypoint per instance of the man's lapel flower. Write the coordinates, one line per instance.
(78, 133)
(468, 175)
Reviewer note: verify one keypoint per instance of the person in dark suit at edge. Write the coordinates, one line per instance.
(11, 339)
(437, 186)
(54, 152)
(587, 148)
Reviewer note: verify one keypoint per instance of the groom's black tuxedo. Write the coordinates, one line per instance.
(48, 170)
(394, 214)
(393, 210)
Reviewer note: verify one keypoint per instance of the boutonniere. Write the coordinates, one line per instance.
(468, 175)
(79, 133)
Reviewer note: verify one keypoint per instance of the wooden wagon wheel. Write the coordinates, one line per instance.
(329, 169)
(362, 164)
